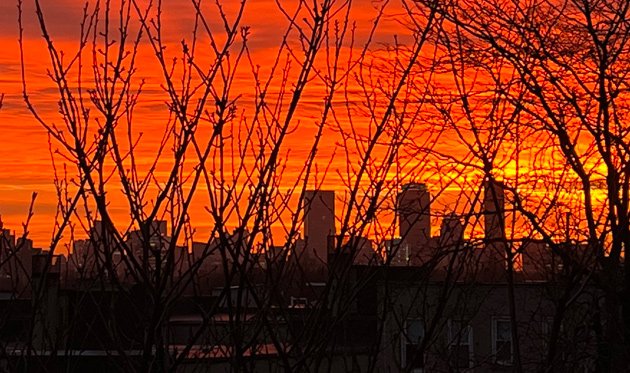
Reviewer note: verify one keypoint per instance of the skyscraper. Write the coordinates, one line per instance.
(494, 210)
(319, 223)
(494, 252)
(451, 230)
(414, 217)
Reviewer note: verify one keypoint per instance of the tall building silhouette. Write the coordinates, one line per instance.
(319, 223)
(414, 217)
(451, 230)
(7, 246)
(494, 210)
(494, 252)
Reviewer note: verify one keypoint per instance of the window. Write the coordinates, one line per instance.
(547, 325)
(460, 343)
(299, 302)
(412, 358)
(502, 341)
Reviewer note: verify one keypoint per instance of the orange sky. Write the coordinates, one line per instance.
(25, 160)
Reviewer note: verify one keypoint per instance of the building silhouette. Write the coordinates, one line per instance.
(430, 306)
(319, 225)
(414, 219)
(494, 251)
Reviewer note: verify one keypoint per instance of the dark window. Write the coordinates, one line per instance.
(502, 341)
(412, 337)
(460, 344)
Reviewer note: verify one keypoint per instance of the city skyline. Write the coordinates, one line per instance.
(24, 146)
(26, 154)
(315, 186)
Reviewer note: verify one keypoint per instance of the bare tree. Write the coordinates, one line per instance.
(214, 260)
(227, 149)
(561, 65)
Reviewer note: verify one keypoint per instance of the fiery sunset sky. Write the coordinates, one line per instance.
(26, 165)
(26, 162)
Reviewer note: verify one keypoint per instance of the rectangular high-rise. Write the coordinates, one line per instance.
(319, 223)
(494, 211)
(494, 252)
(451, 231)
(414, 219)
